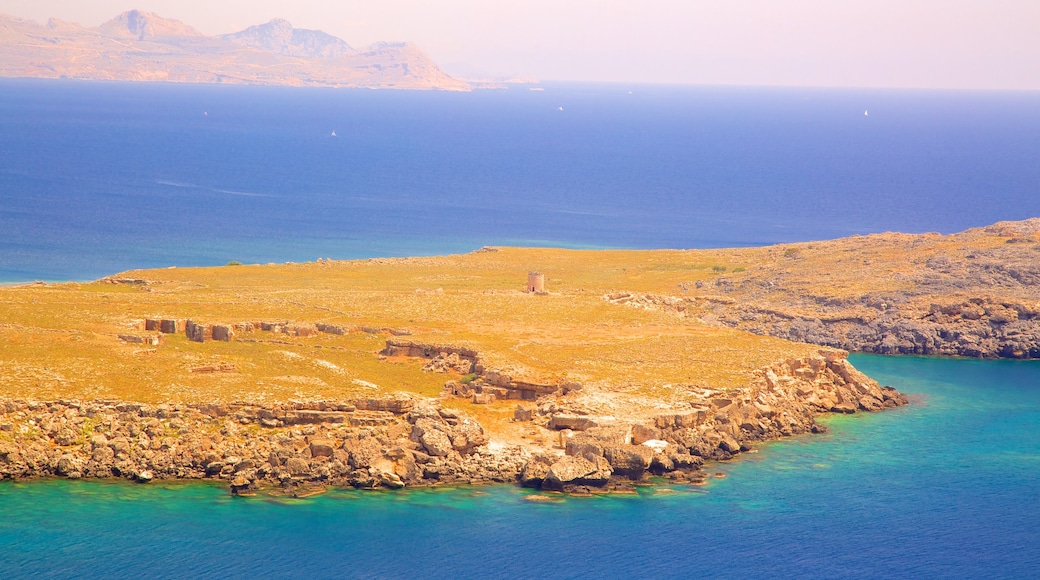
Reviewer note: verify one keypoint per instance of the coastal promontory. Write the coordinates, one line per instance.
(141, 46)
(568, 370)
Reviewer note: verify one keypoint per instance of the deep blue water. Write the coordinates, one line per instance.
(100, 177)
(946, 488)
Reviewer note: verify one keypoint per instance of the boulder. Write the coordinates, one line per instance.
(729, 444)
(570, 470)
(628, 460)
(364, 453)
(67, 465)
(642, 433)
(429, 434)
(242, 485)
(436, 442)
(534, 471)
(580, 445)
(467, 435)
(214, 468)
(65, 437)
(847, 408)
(297, 467)
(322, 447)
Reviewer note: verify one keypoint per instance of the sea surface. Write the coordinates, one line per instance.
(98, 177)
(948, 487)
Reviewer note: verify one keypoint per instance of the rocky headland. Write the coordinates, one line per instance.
(140, 46)
(389, 373)
(972, 294)
(299, 448)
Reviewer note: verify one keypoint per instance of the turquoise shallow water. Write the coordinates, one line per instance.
(947, 487)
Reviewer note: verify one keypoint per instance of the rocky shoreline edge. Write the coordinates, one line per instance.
(299, 448)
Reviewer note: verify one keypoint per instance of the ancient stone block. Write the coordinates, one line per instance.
(303, 330)
(331, 329)
(222, 332)
(195, 332)
(572, 422)
(397, 406)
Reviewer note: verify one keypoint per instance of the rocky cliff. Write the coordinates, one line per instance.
(976, 293)
(138, 46)
(299, 448)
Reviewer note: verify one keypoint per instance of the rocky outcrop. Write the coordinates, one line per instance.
(881, 323)
(782, 400)
(483, 385)
(393, 442)
(299, 448)
(975, 293)
(973, 327)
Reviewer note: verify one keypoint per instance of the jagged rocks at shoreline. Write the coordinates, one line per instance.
(973, 294)
(971, 327)
(299, 448)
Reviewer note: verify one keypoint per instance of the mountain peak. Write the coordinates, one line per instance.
(279, 37)
(145, 25)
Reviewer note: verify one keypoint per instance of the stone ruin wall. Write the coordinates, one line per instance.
(482, 385)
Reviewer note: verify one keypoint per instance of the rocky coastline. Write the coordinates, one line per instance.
(977, 327)
(971, 294)
(300, 448)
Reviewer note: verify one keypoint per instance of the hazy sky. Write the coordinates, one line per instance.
(989, 44)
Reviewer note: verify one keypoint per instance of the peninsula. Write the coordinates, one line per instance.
(583, 371)
(139, 46)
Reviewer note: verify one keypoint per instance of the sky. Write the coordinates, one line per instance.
(960, 44)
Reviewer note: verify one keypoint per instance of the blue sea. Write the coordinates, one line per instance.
(101, 177)
(96, 178)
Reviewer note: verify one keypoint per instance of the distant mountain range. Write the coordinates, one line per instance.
(139, 46)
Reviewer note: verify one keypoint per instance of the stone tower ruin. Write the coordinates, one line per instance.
(535, 282)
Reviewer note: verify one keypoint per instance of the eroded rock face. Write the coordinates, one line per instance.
(392, 443)
(300, 448)
(976, 327)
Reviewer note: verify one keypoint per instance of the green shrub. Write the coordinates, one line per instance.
(233, 263)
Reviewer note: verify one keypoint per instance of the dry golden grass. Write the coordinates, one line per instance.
(61, 340)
